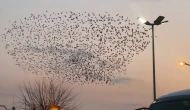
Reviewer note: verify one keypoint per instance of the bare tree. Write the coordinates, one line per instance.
(41, 95)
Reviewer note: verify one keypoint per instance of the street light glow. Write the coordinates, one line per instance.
(182, 63)
(54, 108)
(141, 20)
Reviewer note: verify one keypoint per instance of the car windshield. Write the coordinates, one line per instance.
(171, 105)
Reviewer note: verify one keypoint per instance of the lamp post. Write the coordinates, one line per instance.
(183, 63)
(158, 21)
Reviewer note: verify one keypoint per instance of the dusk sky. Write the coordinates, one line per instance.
(134, 89)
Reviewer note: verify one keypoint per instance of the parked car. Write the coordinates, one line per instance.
(179, 100)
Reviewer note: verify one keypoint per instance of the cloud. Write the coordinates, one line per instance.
(8, 91)
(121, 80)
(6, 94)
(124, 80)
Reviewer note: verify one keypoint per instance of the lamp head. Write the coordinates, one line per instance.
(159, 20)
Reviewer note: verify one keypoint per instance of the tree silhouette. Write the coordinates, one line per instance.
(86, 47)
(41, 95)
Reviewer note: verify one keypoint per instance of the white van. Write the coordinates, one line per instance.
(179, 100)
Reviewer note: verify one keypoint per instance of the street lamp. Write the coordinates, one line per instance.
(183, 63)
(158, 21)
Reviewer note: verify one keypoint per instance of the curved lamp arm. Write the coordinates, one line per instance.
(3, 106)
